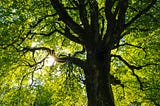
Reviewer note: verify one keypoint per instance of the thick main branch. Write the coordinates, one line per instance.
(64, 16)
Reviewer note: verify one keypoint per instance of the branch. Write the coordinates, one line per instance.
(26, 49)
(127, 44)
(132, 29)
(141, 13)
(37, 23)
(73, 60)
(49, 34)
(132, 68)
(83, 14)
(74, 3)
(94, 18)
(123, 5)
(115, 81)
(111, 22)
(36, 63)
(40, 20)
(108, 7)
(25, 75)
(66, 18)
(68, 35)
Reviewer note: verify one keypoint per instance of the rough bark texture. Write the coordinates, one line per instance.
(98, 86)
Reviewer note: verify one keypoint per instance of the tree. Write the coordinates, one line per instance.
(96, 31)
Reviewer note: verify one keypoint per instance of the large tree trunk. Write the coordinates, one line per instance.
(98, 86)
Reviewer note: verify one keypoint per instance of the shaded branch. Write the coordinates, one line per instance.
(4, 46)
(71, 37)
(49, 34)
(41, 19)
(108, 7)
(83, 14)
(115, 81)
(36, 63)
(127, 44)
(111, 22)
(123, 5)
(25, 75)
(94, 18)
(141, 13)
(26, 49)
(73, 60)
(64, 16)
(132, 68)
(132, 29)
(37, 23)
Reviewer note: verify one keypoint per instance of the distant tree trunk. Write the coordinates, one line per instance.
(98, 86)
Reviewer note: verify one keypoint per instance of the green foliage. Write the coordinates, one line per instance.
(29, 23)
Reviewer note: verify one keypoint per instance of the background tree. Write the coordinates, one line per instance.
(99, 43)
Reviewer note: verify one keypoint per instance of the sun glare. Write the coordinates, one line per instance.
(50, 60)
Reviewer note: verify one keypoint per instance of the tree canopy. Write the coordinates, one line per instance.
(47, 48)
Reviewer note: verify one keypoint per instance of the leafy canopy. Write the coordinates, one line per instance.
(26, 80)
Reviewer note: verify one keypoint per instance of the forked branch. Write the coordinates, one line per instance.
(132, 68)
(70, 59)
(64, 16)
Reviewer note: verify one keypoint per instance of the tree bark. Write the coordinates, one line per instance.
(98, 86)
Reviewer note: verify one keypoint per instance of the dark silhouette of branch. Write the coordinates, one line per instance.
(132, 29)
(127, 44)
(122, 8)
(26, 49)
(94, 12)
(132, 68)
(70, 36)
(115, 81)
(73, 60)
(83, 14)
(108, 7)
(114, 26)
(141, 13)
(41, 19)
(64, 16)
(25, 75)
(111, 21)
(38, 22)
(49, 34)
